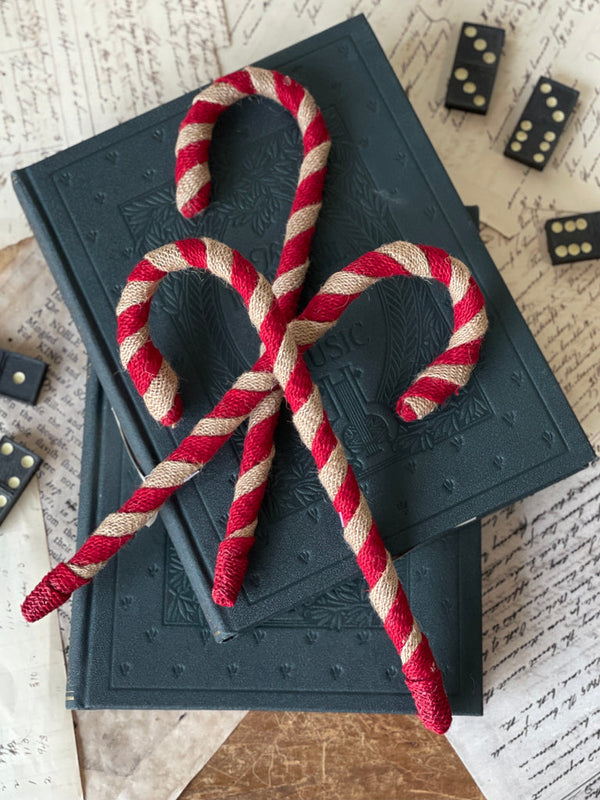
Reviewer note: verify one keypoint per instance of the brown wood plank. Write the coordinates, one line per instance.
(300, 756)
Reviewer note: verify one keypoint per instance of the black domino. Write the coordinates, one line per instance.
(574, 238)
(21, 377)
(475, 67)
(17, 467)
(541, 124)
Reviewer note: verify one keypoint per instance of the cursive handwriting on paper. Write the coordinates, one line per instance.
(67, 76)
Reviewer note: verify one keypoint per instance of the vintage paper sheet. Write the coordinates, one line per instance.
(70, 71)
(557, 38)
(561, 307)
(38, 757)
(539, 737)
(147, 755)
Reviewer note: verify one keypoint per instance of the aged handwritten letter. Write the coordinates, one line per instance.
(539, 737)
(560, 305)
(38, 758)
(70, 71)
(36, 322)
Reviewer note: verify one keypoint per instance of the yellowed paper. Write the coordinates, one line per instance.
(70, 71)
(34, 321)
(147, 755)
(561, 307)
(38, 758)
(538, 737)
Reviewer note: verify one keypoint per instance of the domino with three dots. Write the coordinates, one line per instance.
(541, 124)
(17, 467)
(21, 377)
(475, 67)
(575, 238)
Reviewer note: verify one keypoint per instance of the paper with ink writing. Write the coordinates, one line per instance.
(539, 736)
(68, 75)
(38, 758)
(36, 322)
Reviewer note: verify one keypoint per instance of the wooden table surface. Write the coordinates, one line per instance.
(277, 755)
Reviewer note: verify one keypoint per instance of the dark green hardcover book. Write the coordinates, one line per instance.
(139, 638)
(98, 207)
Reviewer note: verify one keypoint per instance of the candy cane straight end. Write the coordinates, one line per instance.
(404, 411)
(230, 569)
(424, 681)
(39, 602)
(431, 703)
(194, 206)
(52, 591)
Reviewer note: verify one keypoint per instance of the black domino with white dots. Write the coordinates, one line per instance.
(575, 238)
(475, 67)
(21, 377)
(17, 467)
(541, 124)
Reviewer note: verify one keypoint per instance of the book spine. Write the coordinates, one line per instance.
(58, 263)
(78, 642)
(79, 645)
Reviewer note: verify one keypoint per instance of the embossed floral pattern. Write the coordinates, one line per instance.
(345, 606)
(181, 606)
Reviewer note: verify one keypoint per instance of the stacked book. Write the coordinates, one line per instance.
(302, 634)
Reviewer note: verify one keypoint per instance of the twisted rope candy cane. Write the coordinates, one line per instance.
(447, 373)
(193, 193)
(155, 380)
(340, 290)
(153, 377)
(87, 565)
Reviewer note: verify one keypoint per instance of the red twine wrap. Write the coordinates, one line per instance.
(280, 370)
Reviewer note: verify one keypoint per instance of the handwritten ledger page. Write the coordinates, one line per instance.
(38, 758)
(35, 322)
(71, 70)
(539, 737)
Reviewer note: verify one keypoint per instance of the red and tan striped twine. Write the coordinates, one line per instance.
(280, 370)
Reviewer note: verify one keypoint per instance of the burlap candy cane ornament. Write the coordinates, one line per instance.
(280, 371)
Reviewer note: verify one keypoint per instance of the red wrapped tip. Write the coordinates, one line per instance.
(424, 681)
(230, 569)
(51, 592)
